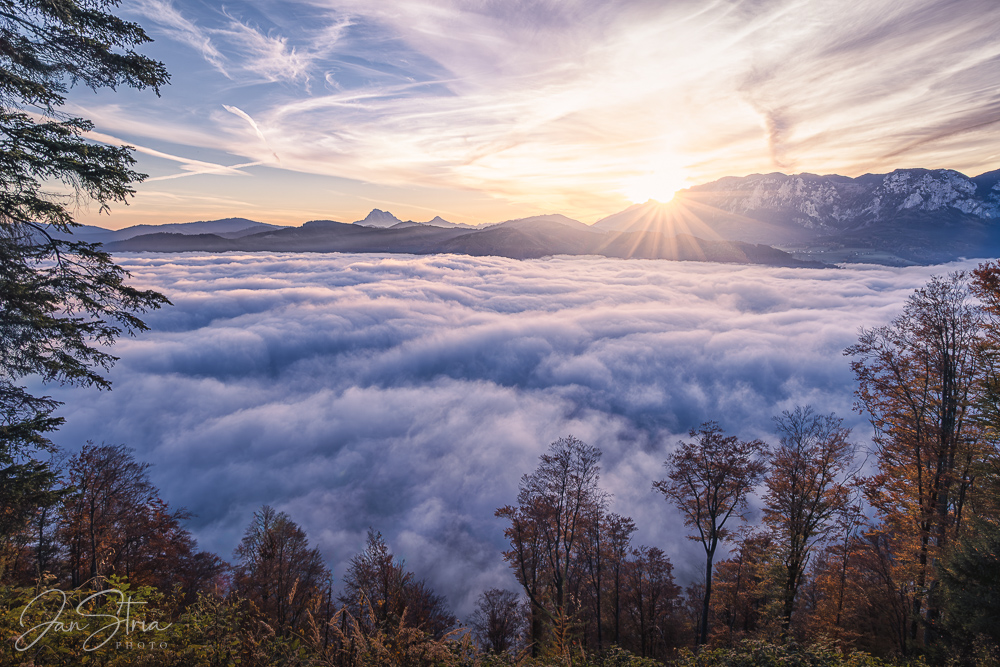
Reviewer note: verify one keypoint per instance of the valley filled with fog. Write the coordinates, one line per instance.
(410, 393)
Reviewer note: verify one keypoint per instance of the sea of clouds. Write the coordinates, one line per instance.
(409, 394)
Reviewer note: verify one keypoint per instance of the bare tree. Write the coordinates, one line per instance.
(806, 490)
(547, 528)
(709, 480)
(498, 621)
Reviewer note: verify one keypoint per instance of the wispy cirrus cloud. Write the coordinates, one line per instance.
(569, 106)
(190, 167)
(173, 24)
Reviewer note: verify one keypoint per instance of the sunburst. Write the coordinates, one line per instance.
(659, 185)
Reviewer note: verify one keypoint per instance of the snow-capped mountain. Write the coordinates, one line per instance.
(907, 216)
(916, 214)
(378, 218)
(838, 202)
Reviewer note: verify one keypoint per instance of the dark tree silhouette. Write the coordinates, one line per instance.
(380, 593)
(497, 621)
(709, 480)
(61, 303)
(806, 490)
(276, 570)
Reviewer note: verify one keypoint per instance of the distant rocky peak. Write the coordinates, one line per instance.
(839, 201)
(378, 218)
(932, 190)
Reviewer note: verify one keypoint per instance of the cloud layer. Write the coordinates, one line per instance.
(411, 393)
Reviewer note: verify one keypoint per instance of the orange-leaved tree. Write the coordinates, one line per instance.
(548, 527)
(709, 479)
(918, 380)
(806, 491)
(278, 571)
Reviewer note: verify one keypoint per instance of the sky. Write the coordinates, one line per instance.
(481, 111)
(409, 394)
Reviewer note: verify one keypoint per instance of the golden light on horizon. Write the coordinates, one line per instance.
(659, 185)
(486, 113)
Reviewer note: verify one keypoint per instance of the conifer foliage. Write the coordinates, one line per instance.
(61, 302)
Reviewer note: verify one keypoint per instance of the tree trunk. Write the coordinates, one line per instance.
(703, 635)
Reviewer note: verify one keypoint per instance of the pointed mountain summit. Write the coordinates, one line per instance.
(378, 218)
(438, 221)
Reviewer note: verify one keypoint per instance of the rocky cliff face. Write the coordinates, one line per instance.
(830, 203)
(916, 215)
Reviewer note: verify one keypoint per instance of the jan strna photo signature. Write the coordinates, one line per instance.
(102, 627)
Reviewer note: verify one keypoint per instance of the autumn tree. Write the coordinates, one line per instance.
(603, 556)
(426, 610)
(835, 577)
(745, 586)
(918, 380)
(497, 621)
(986, 287)
(649, 599)
(709, 480)
(619, 539)
(277, 570)
(61, 303)
(114, 522)
(381, 594)
(806, 490)
(593, 550)
(883, 613)
(547, 529)
(102, 518)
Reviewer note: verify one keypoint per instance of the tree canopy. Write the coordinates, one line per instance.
(709, 480)
(62, 303)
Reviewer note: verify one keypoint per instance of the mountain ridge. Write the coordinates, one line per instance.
(906, 216)
(224, 227)
(520, 239)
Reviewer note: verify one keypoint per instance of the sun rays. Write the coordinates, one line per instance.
(577, 107)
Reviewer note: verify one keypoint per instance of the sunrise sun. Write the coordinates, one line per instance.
(660, 185)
